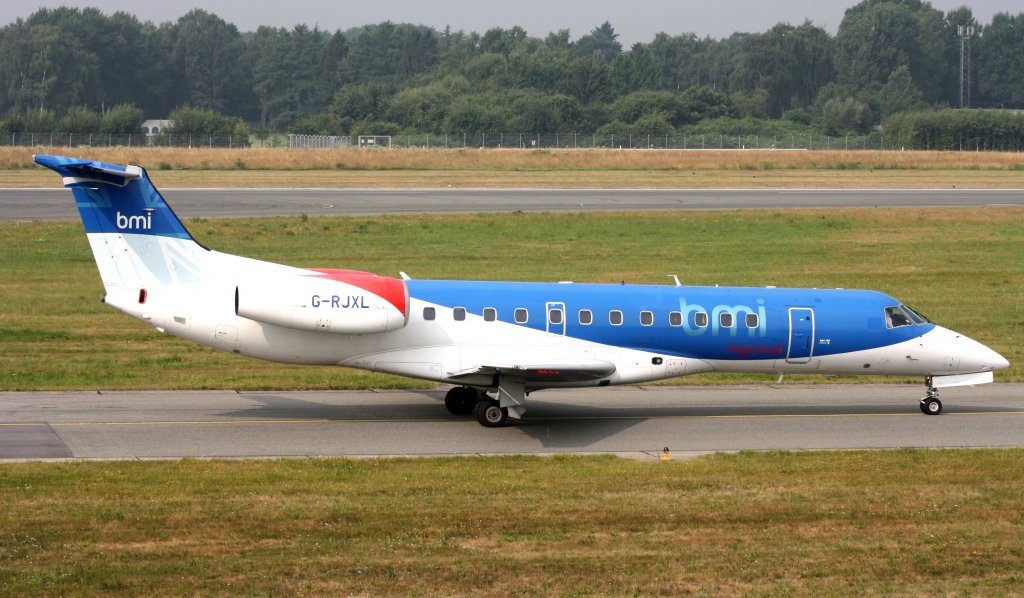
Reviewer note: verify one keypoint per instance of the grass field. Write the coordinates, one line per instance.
(964, 268)
(937, 522)
(438, 168)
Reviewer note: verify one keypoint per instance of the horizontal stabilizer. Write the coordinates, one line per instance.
(80, 171)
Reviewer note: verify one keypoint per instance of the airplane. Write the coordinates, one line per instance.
(496, 342)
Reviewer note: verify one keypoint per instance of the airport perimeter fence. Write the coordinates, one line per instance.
(663, 142)
(125, 140)
(461, 140)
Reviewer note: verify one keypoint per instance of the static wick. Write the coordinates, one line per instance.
(664, 455)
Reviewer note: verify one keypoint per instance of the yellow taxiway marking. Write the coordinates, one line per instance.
(450, 420)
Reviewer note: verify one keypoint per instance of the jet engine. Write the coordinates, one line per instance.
(332, 301)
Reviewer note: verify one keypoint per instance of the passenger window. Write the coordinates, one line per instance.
(555, 316)
(895, 318)
(752, 320)
(459, 313)
(429, 313)
(700, 319)
(675, 318)
(522, 316)
(646, 318)
(586, 317)
(490, 314)
(615, 317)
(725, 319)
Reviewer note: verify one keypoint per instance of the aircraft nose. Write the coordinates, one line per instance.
(1001, 363)
(973, 356)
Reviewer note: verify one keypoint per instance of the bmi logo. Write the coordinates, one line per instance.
(144, 222)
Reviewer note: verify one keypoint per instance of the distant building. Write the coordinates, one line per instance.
(155, 127)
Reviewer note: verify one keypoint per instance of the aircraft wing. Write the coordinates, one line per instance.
(543, 372)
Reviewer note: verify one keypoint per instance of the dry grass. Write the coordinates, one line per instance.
(438, 168)
(515, 159)
(562, 179)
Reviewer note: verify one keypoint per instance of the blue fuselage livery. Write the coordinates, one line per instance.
(494, 341)
(845, 320)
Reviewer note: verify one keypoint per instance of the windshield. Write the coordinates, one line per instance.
(915, 315)
(901, 315)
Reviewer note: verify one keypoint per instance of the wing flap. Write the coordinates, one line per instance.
(579, 371)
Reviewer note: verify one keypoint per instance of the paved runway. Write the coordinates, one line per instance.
(633, 421)
(56, 204)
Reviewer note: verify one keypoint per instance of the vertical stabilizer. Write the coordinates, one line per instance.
(137, 240)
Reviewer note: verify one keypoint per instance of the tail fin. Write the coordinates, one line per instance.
(137, 240)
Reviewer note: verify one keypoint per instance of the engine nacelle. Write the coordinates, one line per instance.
(334, 301)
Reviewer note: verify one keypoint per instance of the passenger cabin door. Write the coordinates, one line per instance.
(555, 318)
(801, 335)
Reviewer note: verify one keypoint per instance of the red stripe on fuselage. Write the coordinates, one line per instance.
(391, 290)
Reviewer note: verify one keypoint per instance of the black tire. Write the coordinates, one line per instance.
(924, 409)
(490, 414)
(461, 400)
(931, 406)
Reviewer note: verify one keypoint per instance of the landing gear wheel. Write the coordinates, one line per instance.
(461, 400)
(931, 406)
(490, 414)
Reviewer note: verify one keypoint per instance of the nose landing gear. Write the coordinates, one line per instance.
(930, 404)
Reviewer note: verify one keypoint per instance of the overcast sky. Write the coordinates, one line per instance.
(634, 20)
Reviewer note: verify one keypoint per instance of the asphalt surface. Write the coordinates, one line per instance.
(632, 421)
(57, 204)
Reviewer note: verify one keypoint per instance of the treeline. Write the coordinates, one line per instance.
(68, 67)
(955, 130)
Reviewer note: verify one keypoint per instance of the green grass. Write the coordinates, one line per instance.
(936, 522)
(964, 268)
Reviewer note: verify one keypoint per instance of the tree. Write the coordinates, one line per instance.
(425, 108)
(208, 52)
(845, 115)
(634, 70)
(600, 43)
(288, 73)
(367, 101)
(790, 63)
(704, 102)
(1000, 63)
(390, 52)
(667, 105)
(79, 119)
(899, 94)
(198, 121)
(122, 119)
(878, 36)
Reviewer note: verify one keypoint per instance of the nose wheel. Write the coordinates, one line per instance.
(930, 404)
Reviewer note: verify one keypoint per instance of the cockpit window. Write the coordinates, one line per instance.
(895, 317)
(914, 315)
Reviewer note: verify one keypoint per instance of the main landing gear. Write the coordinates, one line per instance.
(490, 412)
(930, 404)
(462, 400)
